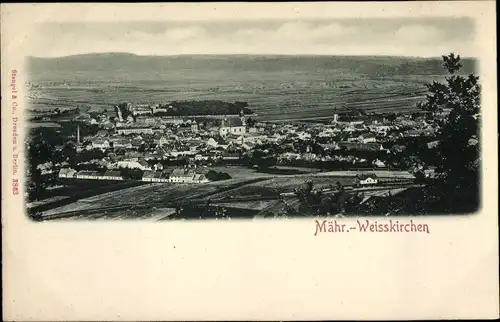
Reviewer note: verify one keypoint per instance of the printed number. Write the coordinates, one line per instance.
(15, 186)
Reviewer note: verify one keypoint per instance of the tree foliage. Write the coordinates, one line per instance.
(131, 173)
(217, 176)
(40, 150)
(457, 187)
(206, 107)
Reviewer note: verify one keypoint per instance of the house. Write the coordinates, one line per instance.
(381, 129)
(111, 175)
(200, 178)
(473, 141)
(290, 156)
(133, 165)
(149, 120)
(100, 144)
(174, 120)
(150, 176)
(327, 133)
(200, 157)
(181, 176)
(132, 130)
(303, 136)
(176, 154)
(430, 172)
(367, 138)
(92, 175)
(212, 142)
(367, 179)
(372, 146)
(162, 141)
(349, 129)
(119, 143)
(67, 173)
(157, 109)
(432, 144)
(186, 176)
(308, 156)
(330, 146)
(378, 163)
(132, 156)
(230, 156)
(248, 145)
(102, 133)
(142, 110)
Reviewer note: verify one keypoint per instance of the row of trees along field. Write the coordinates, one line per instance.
(186, 108)
(207, 107)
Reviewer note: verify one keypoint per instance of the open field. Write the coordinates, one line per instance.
(147, 196)
(268, 104)
(276, 87)
(383, 174)
(140, 199)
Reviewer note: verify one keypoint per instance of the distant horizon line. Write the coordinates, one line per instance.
(257, 55)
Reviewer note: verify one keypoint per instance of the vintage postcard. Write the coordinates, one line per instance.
(267, 161)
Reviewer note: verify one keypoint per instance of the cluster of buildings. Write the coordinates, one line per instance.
(134, 142)
(174, 176)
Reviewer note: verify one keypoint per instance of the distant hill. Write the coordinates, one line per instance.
(364, 65)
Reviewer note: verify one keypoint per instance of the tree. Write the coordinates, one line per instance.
(457, 186)
(251, 122)
(69, 153)
(217, 176)
(415, 115)
(391, 117)
(131, 173)
(39, 150)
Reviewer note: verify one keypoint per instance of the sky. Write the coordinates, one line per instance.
(429, 37)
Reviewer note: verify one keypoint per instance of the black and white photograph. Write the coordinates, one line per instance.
(249, 161)
(254, 119)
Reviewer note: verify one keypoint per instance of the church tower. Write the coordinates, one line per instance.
(335, 115)
(242, 118)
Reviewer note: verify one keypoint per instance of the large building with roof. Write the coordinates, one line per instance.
(67, 173)
(187, 176)
(134, 130)
(233, 125)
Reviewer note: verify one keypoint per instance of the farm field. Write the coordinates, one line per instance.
(276, 88)
(277, 185)
(268, 104)
(70, 190)
(141, 201)
(146, 197)
(386, 174)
